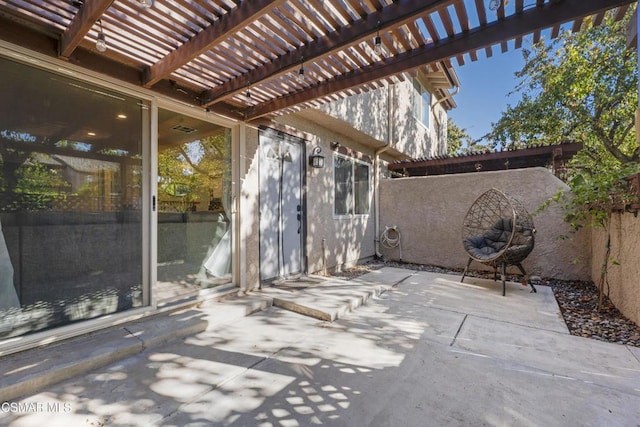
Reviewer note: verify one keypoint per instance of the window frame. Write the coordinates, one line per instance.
(351, 188)
(419, 91)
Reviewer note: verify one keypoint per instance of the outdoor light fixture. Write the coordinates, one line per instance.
(300, 75)
(316, 160)
(101, 43)
(146, 3)
(377, 42)
(494, 4)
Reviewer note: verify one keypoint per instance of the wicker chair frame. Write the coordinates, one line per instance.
(490, 237)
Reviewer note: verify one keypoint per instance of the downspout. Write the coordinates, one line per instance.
(376, 160)
(449, 95)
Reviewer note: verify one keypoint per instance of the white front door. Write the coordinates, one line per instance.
(281, 206)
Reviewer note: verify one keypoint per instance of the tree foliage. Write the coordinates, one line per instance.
(459, 141)
(195, 170)
(581, 87)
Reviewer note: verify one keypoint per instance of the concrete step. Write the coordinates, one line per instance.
(329, 301)
(30, 371)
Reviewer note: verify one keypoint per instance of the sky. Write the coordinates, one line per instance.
(484, 90)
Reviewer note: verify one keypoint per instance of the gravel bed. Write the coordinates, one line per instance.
(577, 301)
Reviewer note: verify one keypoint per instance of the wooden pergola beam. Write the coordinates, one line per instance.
(394, 15)
(87, 15)
(518, 25)
(246, 13)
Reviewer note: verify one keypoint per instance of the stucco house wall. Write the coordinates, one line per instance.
(361, 124)
(371, 113)
(429, 212)
(345, 240)
(624, 268)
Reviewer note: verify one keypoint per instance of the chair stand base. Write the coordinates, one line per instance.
(503, 275)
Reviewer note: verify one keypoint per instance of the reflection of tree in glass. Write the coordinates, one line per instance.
(194, 171)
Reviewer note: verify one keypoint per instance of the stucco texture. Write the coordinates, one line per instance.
(346, 240)
(624, 268)
(429, 212)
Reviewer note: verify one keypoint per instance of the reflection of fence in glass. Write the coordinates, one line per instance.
(23, 202)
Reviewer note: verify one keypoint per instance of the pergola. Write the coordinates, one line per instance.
(243, 59)
(555, 156)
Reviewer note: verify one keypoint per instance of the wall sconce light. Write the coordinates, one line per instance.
(146, 3)
(316, 160)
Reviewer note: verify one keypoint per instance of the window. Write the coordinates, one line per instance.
(421, 103)
(351, 178)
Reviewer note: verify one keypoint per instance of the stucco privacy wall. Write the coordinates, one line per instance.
(624, 268)
(429, 212)
(370, 112)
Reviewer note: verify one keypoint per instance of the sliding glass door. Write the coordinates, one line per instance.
(71, 240)
(194, 244)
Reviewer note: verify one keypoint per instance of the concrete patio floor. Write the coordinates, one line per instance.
(424, 350)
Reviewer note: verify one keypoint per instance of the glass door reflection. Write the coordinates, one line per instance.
(194, 202)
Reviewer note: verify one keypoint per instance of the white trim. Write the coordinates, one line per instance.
(37, 339)
(243, 207)
(151, 217)
(333, 198)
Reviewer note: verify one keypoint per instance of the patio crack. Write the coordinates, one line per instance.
(464, 319)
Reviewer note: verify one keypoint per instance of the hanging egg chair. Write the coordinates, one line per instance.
(498, 231)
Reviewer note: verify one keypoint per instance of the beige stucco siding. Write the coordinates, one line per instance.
(624, 264)
(429, 212)
(249, 213)
(371, 112)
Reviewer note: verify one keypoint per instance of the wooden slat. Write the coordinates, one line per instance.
(84, 20)
(621, 11)
(461, 14)
(488, 51)
(209, 37)
(401, 38)
(597, 19)
(418, 40)
(473, 55)
(482, 13)
(278, 45)
(500, 11)
(513, 26)
(446, 21)
(555, 31)
(536, 36)
(577, 24)
(284, 22)
(518, 43)
(318, 8)
(301, 21)
(357, 8)
(519, 5)
(398, 13)
(433, 32)
(460, 59)
(504, 47)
